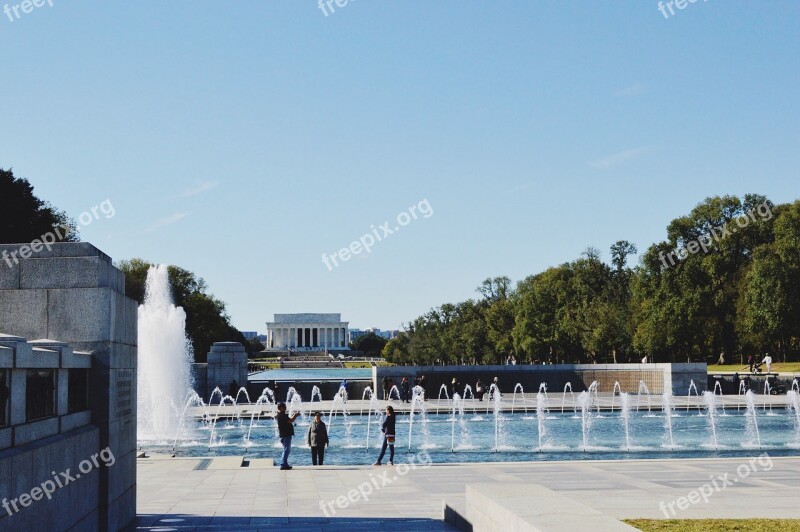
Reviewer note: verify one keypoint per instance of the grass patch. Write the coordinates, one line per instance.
(779, 367)
(715, 525)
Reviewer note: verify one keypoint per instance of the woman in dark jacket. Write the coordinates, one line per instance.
(388, 436)
(317, 439)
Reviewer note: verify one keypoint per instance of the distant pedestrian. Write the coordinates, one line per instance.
(405, 386)
(751, 361)
(479, 391)
(388, 436)
(317, 439)
(285, 431)
(385, 386)
(276, 389)
(768, 361)
(233, 389)
(721, 360)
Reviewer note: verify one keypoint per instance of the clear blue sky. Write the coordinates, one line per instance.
(242, 140)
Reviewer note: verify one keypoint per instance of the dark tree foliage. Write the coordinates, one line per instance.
(24, 217)
(371, 344)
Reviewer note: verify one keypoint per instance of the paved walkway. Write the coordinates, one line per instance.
(218, 494)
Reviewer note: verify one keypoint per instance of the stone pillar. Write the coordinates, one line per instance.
(72, 293)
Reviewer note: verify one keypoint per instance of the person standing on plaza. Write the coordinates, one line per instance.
(751, 361)
(285, 431)
(388, 436)
(405, 385)
(479, 391)
(317, 439)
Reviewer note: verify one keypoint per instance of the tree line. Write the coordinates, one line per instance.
(725, 280)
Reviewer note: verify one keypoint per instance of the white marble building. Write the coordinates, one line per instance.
(308, 332)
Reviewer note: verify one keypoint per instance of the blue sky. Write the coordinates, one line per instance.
(244, 140)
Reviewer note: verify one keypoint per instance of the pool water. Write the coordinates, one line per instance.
(478, 437)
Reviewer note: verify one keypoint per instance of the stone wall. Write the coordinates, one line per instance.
(227, 362)
(72, 293)
(657, 377)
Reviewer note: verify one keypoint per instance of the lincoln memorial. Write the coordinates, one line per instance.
(311, 332)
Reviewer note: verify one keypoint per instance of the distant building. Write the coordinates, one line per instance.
(249, 335)
(308, 332)
(358, 333)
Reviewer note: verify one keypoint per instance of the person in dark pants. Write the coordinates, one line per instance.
(317, 439)
(479, 391)
(385, 386)
(388, 436)
(404, 385)
(285, 431)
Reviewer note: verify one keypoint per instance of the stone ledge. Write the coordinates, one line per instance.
(526, 507)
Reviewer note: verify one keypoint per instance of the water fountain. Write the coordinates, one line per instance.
(643, 388)
(541, 417)
(666, 404)
(469, 395)
(615, 393)
(568, 386)
(315, 392)
(742, 391)
(443, 388)
(518, 387)
(458, 413)
(593, 390)
(499, 420)
(796, 385)
(767, 392)
(718, 386)
(294, 404)
(164, 361)
(751, 426)
(394, 392)
(689, 394)
(793, 400)
(625, 415)
(418, 409)
(374, 409)
(711, 407)
(585, 402)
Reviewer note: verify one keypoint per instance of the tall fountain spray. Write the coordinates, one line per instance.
(165, 356)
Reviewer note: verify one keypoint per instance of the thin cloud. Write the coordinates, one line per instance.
(199, 188)
(633, 90)
(169, 220)
(616, 159)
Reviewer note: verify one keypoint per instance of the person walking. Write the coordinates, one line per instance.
(405, 385)
(388, 436)
(317, 439)
(751, 361)
(285, 431)
(768, 361)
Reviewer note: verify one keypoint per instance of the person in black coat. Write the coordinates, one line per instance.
(388, 436)
(317, 439)
(405, 385)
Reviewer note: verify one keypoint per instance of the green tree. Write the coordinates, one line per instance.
(370, 344)
(24, 217)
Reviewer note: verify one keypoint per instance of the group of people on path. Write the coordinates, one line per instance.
(317, 436)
